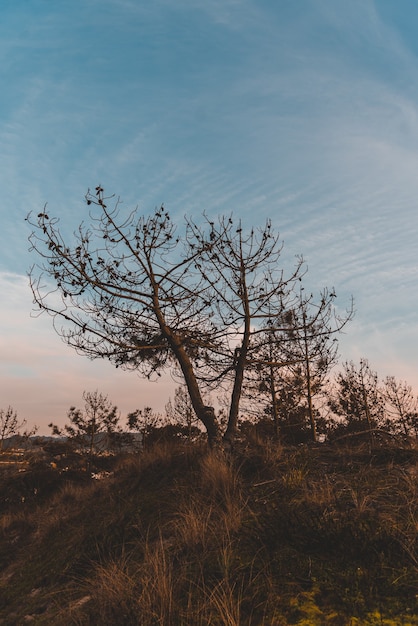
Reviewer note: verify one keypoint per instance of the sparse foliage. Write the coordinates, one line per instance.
(287, 405)
(181, 412)
(299, 348)
(309, 336)
(144, 421)
(98, 416)
(11, 425)
(357, 398)
(401, 405)
(243, 274)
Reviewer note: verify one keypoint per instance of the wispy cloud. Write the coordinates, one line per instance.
(306, 113)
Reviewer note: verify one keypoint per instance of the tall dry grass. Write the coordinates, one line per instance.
(183, 536)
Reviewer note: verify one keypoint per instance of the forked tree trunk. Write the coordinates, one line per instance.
(206, 414)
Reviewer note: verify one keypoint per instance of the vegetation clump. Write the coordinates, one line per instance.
(269, 535)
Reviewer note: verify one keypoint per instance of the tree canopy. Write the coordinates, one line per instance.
(149, 295)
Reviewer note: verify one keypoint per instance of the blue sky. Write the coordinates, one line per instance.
(305, 112)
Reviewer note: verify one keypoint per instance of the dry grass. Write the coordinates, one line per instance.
(181, 536)
(218, 476)
(225, 602)
(192, 525)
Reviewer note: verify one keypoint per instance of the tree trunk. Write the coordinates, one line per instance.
(273, 395)
(367, 411)
(206, 414)
(232, 427)
(309, 381)
(241, 362)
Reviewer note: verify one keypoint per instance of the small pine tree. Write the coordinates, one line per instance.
(98, 416)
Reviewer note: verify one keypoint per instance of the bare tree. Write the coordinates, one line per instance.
(244, 276)
(10, 425)
(132, 290)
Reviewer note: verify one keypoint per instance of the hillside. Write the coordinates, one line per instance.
(269, 536)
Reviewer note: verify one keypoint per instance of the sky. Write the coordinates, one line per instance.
(305, 113)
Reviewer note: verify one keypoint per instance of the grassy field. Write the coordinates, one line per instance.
(177, 535)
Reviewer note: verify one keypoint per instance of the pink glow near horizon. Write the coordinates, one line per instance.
(41, 377)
